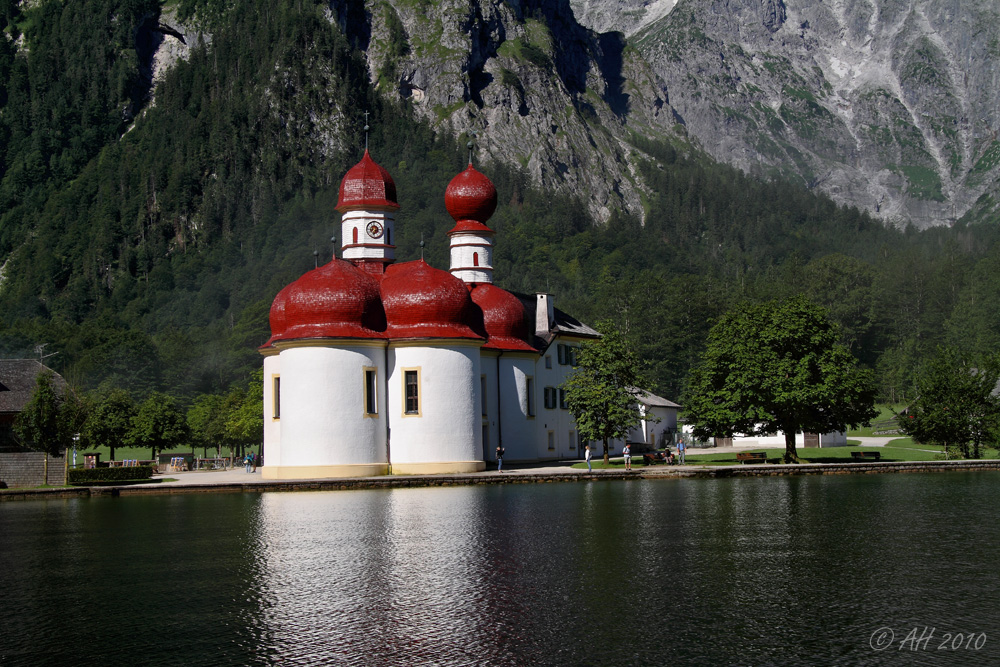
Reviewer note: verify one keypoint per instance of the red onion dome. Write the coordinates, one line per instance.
(334, 301)
(470, 198)
(423, 302)
(367, 185)
(504, 317)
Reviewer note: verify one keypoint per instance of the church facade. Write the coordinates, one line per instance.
(376, 367)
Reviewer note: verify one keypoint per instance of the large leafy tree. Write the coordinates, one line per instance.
(245, 419)
(601, 393)
(110, 422)
(955, 406)
(158, 424)
(206, 420)
(777, 366)
(51, 417)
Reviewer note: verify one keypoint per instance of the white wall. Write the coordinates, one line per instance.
(322, 403)
(449, 426)
(518, 428)
(272, 426)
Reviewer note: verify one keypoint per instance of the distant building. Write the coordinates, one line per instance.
(18, 378)
(658, 426)
(374, 365)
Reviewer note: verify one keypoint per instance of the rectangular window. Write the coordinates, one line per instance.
(572, 355)
(371, 398)
(552, 440)
(529, 390)
(548, 361)
(562, 354)
(482, 393)
(550, 397)
(562, 400)
(572, 439)
(411, 391)
(276, 386)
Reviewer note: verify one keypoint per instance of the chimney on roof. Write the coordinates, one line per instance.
(545, 314)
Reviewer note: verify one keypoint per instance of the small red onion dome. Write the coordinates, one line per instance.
(504, 318)
(367, 185)
(334, 301)
(423, 302)
(470, 198)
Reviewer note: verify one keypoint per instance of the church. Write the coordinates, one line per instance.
(376, 367)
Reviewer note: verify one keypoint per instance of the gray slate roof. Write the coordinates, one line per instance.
(654, 401)
(17, 382)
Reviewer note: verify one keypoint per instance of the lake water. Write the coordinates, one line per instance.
(791, 570)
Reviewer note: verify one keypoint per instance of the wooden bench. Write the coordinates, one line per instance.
(751, 457)
(652, 458)
(860, 456)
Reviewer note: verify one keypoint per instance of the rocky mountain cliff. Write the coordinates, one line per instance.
(890, 105)
(540, 90)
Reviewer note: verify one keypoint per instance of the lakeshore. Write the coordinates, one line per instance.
(237, 480)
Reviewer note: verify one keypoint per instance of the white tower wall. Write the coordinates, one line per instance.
(355, 224)
(445, 435)
(272, 425)
(324, 428)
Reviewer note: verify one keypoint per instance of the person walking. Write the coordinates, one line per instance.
(627, 453)
(587, 455)
(680, 450)
(499, 458)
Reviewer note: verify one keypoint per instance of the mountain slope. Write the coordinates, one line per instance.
(890, 105)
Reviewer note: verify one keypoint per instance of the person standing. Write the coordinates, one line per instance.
(627, 453)
(499, 458)
(587, 455)
(680, 450)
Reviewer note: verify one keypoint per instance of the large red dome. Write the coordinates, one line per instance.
(367, 185)
(470, 196)
(334, 301)
(423, 302)
(504, 318)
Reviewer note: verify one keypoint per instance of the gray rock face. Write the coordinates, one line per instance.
(626, 16)
(541, 91)
(890, 105)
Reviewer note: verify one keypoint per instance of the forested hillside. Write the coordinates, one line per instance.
(144, 242)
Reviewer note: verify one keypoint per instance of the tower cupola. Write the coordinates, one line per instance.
(471, 199)
(367, 204)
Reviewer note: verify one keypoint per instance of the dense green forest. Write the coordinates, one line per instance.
(143, 238)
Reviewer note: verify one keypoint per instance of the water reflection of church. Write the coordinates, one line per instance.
(373, 364)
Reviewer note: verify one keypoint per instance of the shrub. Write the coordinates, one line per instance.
(85, 475)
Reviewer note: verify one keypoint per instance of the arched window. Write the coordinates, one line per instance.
(475, 259)
(355, 234)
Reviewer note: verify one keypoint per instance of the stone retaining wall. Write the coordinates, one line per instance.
(519, 477)
(28, 469)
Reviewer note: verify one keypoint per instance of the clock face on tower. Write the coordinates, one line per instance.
(374, 229)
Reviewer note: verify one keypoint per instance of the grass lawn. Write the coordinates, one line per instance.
(137, 453)
(884, 412)
(901, 449)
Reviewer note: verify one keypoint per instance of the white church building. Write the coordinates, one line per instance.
(376, 367)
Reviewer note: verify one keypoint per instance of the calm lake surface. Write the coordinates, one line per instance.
(793, 570)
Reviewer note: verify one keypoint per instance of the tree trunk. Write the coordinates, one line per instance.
(606, 458)
(790, 455)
